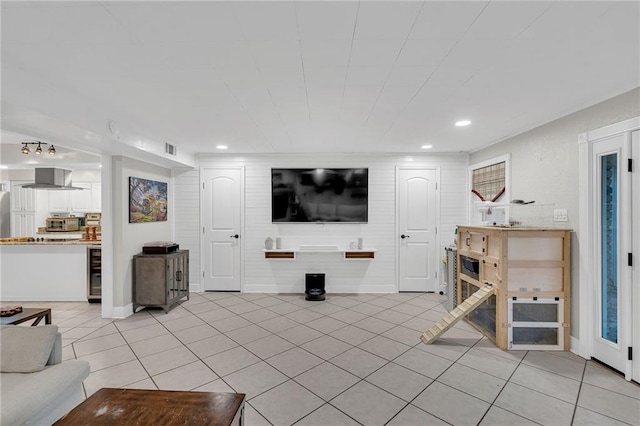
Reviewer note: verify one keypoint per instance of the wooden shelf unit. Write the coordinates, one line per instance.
(521, 263)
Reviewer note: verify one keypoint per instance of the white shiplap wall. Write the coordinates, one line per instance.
(186, 221)
(372, 276)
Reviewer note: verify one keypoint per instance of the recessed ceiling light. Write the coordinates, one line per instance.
(462, 123)
(426, 146)
(222, 147)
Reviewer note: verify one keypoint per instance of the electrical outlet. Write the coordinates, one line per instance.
(560, 215)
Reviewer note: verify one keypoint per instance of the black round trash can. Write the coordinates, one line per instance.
(314, 287)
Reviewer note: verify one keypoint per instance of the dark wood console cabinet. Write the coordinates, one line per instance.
(160, 280)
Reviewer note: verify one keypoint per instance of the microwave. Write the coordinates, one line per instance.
(62, 224)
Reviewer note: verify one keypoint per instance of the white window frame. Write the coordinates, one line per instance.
(506, 158)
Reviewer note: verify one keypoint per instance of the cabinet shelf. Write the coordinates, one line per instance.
(470, 280)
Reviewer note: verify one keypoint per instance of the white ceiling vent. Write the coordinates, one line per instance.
(170, 149)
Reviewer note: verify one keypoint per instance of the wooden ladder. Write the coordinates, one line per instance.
(448, 320)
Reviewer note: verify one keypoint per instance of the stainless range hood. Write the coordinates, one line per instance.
(52, 178)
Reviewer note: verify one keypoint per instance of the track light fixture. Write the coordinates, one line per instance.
(25, 148)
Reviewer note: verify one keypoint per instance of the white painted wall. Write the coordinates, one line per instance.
(378, 275)
(544, 166)
(128, 238)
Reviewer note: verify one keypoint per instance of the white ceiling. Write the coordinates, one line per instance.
(314, 76)
(13, 158)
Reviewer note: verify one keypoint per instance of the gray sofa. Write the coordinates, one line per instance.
(37, 387)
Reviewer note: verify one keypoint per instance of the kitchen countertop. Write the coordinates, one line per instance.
(54, 243)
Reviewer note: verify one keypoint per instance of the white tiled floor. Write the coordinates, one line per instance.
(352, 359)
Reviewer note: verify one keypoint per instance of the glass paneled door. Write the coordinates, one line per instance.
(635, 246)
(612, 231)
(609, 247)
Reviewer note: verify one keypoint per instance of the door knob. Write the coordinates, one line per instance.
(404, 236)
(236, 236)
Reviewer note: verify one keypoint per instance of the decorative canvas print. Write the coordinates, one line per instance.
(147, 200)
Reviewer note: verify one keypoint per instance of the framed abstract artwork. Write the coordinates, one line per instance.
(147, 200)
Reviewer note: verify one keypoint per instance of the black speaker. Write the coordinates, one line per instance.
(314, 287)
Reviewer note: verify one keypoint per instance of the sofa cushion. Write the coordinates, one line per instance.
(27, 395)
(25, 349)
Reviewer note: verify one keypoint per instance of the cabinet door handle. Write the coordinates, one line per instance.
(236, 236)
(178, 275)
(405, 236)
(467, 242)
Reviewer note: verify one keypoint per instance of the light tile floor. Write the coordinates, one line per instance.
(352, 359)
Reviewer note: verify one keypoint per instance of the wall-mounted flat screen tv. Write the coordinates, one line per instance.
(320, 195)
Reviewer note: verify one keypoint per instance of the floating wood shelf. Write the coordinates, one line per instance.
(365, 254)
(359, 254)
(279, 255)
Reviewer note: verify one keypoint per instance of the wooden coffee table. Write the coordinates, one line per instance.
(155, 407)
(28, 314)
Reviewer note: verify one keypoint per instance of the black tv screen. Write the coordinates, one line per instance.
(320, 195)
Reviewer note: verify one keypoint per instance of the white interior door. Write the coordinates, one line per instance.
(613, 240)
(222, 219)
(417, 221)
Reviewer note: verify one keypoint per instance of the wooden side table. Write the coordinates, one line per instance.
(110, 406)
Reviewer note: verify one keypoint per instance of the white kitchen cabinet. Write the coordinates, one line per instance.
(22, 199)
(23, 210)
(81, 200)
(23, 224)
(96, 197)
(59, 201)
(85, 200)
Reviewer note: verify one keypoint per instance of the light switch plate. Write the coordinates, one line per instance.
(560, 215)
